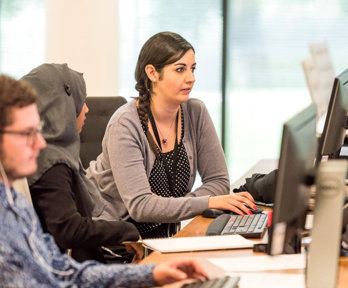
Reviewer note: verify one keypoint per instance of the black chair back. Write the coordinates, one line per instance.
(100, 111)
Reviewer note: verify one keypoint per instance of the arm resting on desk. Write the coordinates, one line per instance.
(260, 186)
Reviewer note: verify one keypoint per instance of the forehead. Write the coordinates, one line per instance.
(188, 58)
(24, 117)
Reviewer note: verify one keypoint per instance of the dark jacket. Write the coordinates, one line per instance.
(62, 195)
(261, 186)
(61, 207)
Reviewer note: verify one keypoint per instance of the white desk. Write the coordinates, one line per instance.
(200, 224)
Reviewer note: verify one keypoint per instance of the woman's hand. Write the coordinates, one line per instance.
(169, 272)
(234, 202)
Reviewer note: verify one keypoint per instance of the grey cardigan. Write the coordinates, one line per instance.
(122, 170)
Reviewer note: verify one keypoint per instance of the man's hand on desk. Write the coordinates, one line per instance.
(135, 248)
(169, 272)
(234, 202)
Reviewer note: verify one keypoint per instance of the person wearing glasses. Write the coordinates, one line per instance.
(154, 145)
(64, 199)
(28, 256)
(30, 135)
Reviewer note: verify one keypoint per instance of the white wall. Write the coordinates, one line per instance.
(84, 34)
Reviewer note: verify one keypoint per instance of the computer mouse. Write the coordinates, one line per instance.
(213, 213)
(254, 211)
(258, 210)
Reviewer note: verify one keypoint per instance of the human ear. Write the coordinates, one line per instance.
(151, 72)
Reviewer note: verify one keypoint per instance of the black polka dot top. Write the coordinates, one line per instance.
(161, 186)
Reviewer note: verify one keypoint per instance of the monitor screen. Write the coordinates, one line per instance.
(294, 178)
(334, 132)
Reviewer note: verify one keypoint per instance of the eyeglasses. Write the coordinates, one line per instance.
(30, 134)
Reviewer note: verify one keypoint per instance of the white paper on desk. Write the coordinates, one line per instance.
(270, 280)
(261, 263)
(201, 243)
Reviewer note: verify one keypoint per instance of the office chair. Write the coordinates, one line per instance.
(320, 75)
(322, 58)
(100, 111)
(323, 62)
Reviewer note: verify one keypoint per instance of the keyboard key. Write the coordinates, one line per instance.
(243, 221)
(236, 223)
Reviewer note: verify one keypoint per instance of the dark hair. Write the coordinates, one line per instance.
(160, 50)
(13, 93)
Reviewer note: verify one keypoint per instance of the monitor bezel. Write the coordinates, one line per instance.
(286, 230)
(332, 138)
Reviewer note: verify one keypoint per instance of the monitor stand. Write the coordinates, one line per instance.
(324, 249)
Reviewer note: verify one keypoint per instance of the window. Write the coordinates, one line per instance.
(267, 41)
(199, 23)
(22, 36)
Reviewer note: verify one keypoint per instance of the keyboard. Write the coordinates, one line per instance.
(248, 226)
(221, 282)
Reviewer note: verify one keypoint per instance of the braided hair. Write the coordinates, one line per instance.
(161, 49)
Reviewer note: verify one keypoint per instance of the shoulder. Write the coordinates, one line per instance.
(126, 111)
(126, 116)
(59, 175)
(58, 168)
(124, 123)
(195, 105)
(195, 110)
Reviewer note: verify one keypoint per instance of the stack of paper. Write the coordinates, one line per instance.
(184, 244)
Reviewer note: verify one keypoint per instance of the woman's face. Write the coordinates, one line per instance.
(176, 80)
(80, 120)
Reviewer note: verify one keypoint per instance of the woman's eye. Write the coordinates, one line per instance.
(181, 69)
(193, 69)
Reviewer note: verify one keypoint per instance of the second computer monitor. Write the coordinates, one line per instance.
(334, 132)
(295, 175)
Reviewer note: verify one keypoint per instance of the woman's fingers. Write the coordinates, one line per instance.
(236, 202)
(246, 195)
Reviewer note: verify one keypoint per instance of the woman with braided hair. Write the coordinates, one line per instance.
(154, 145)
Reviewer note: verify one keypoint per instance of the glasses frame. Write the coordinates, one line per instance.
(31, 134)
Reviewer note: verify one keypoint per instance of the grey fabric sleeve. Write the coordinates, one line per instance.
(209, 156)
(127, 165)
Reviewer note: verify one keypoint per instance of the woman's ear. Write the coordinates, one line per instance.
(151, 73)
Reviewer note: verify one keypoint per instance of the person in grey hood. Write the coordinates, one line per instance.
(64, 199)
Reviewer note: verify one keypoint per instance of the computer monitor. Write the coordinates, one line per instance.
(334, 132)
(295, 175)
